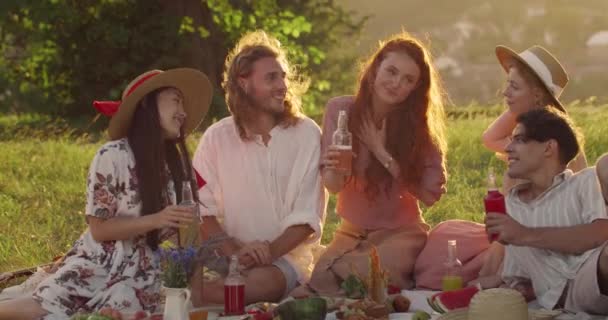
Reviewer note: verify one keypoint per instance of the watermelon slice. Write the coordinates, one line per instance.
(443, 302)
(431, 302)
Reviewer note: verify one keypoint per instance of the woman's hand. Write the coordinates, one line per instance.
(373, 137)
(330, 160)
(124, 228)
(173, 217)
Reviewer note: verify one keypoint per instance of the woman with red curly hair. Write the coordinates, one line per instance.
(397, 122)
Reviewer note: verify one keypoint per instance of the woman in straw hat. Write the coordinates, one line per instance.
(535, 79)
(133, 185)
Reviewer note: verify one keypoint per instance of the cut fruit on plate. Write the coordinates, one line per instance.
(443, 302)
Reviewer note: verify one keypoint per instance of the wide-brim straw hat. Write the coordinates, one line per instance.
(543, 64)
(498, 304)
(193, 84)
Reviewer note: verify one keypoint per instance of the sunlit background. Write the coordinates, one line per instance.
(57, 56)
(463, 35)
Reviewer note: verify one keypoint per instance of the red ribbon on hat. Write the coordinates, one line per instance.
(109, 108)
(200, 182)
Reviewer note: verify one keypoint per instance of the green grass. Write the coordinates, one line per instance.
(42, 193)
(44, 162)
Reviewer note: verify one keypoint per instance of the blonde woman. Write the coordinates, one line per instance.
(535, 79)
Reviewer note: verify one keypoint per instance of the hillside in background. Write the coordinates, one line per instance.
(463, 34)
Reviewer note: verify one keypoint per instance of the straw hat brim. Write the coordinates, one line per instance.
(462, 314)
(505, 54)
(196, 90)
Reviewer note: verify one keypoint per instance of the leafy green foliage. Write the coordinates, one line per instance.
(59, 55)
(67, 53)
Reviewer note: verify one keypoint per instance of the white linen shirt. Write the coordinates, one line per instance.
(257, 191)
(573, 199)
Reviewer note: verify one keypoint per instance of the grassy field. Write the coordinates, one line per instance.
(43, 167)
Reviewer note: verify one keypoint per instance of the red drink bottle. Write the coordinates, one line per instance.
(494, 201)
(234, 290)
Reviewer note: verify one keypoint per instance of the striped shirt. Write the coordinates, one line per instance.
(572, 199)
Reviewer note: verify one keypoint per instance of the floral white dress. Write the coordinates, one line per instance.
(123, 275)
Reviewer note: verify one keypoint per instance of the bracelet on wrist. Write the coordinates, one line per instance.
(387, 163)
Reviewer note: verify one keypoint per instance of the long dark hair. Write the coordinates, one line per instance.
(153, 155)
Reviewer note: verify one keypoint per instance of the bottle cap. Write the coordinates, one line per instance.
(491, 179)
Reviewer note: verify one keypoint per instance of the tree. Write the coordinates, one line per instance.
(59, 55)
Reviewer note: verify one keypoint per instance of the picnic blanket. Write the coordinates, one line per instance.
(419, 302)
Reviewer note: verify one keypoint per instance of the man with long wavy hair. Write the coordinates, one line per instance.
(263, 191)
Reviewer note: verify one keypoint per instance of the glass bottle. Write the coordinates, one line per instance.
(494, 201)
(234, 290)
(452, 280)
(342, 139)
(188, 234)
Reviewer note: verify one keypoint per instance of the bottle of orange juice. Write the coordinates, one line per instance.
(452, 280)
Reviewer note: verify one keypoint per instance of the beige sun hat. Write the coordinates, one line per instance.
(194, 85)
(498, 304)
(546, 66)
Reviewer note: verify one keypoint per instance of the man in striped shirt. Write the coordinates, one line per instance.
(557, 227)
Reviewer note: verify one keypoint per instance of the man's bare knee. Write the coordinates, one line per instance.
(213, 291)
(265, 284)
